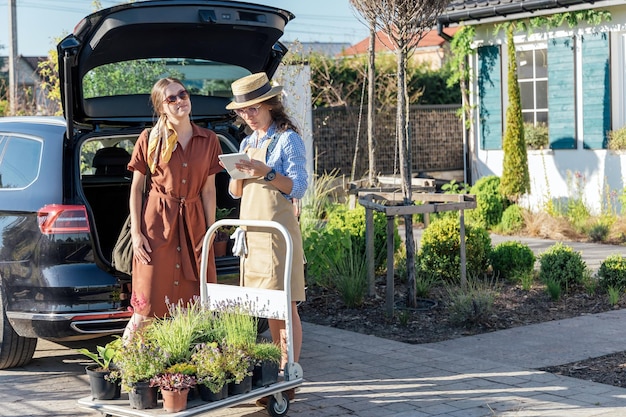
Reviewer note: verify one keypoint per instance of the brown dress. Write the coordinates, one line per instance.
(173, 221)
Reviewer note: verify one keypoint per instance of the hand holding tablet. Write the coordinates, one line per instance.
(229, 160)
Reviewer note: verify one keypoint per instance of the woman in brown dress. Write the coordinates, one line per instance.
(168, 228)
(278, 173)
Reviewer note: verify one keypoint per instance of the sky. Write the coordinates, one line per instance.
(40, 23)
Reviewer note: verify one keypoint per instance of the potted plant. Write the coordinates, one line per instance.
(104, 384)
(222, 235)
(266, 359)
(139, 360)
(238, 365)
(211, 372)
(175, 383)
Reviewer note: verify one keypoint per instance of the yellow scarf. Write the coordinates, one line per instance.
(162, 130)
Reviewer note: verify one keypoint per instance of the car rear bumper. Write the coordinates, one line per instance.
(68, 326)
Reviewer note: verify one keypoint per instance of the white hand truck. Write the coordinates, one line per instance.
(270, 304)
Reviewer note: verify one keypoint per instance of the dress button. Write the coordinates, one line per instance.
(184, 164)
(178, 248)
(175, 282)
(184, 181)
(177, 266)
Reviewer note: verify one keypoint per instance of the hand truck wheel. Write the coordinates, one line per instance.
(277, 408)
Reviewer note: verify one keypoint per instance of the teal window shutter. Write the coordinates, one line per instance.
(490, 97)
(596, 90)
(561, 94)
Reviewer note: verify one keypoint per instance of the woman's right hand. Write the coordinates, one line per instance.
(141, 248)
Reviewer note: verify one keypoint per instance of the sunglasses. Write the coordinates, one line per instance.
(250, 111)
(183, 95)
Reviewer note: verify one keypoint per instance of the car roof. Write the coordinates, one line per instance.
(206, 39)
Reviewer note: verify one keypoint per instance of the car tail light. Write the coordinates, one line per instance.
(59, 218)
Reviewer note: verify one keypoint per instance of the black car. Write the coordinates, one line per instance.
(64, 187)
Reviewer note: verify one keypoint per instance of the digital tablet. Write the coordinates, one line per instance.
(229, 160)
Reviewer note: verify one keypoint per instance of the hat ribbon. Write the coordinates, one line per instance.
(240, 98)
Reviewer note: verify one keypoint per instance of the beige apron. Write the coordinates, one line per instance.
(264, 265)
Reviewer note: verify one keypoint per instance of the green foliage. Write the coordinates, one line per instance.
(536, 136)
(515, 180)
(617, 139)
(511, 258)
(512, 219)
(471, 306)
(338, 81)
(321, 246)
(104, 355)
(612, 272)
(439, 252)
(129, 77)
(553, 288)
(178, 334)
(526, 278)
(4, 108)
(614, 295)
(490, 203)
(561, 265)
(266, 351)
(350, 274)
(599, 232)
(352, 223)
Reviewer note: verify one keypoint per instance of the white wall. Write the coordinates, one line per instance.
(296, 82)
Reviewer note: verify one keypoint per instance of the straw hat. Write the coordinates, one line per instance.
(252, 89)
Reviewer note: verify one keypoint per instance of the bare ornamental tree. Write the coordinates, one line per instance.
(405, 22)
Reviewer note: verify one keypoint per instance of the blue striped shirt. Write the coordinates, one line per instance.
(287, 156)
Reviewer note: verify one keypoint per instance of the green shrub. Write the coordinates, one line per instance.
(327, 241)
(440, 254)
(612, 272)
(352, 223)
(489, 202)
(617, 139)
(599, 232)
(614, 295)
(350, 277)
(511, 258)
(536, 136)
(561, 265)
(553, 287)
(471, 306)
(512, 219)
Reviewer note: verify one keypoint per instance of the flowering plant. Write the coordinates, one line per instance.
(139, 360)
(238, 363)
(210, 366)
(176, 381)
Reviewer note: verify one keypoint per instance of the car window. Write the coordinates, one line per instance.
(201, 77)
(91, 164)
(20, 158)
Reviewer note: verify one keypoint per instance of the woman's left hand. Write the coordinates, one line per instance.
(254, 167)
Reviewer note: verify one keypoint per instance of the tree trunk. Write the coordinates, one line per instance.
(405, 171)
(371, 105)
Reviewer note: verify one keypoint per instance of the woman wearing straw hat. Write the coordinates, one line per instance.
(277, 168)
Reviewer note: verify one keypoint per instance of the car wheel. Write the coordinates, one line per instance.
(15, 350)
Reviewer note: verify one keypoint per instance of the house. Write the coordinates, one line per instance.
(32, 97)
(571, 78)
(431, 50)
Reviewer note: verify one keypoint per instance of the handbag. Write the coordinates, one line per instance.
(122, 259)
